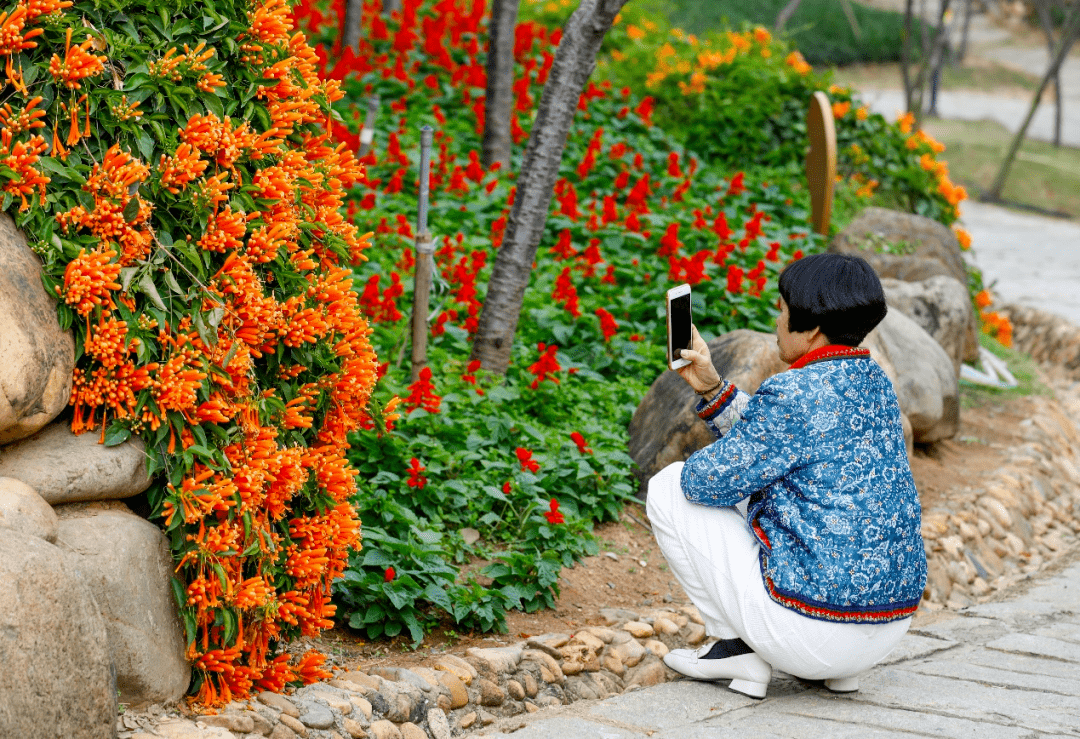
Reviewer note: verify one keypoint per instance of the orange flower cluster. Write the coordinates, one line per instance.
(920, 140)
(698, 59)
(993, 323)
(228, 337)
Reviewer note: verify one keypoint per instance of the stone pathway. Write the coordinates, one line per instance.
(1031, 259)
(1004, 669)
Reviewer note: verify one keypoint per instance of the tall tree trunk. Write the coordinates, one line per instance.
(499, 103)
(785, 15)
(575, 60)
(354, 21)
(962, 51)
(1043, 9)
(905, 54)
(391, 6)
(1069, 32)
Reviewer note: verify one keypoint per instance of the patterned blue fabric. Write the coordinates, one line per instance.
(820, 452)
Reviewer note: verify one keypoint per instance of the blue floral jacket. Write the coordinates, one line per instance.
(820, 452)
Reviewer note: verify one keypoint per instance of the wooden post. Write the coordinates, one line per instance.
(425, 247)
(367, 133)
(821, 161)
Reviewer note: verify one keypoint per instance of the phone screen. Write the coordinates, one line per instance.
(679, 337)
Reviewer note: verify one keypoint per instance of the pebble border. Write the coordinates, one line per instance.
(456, 695)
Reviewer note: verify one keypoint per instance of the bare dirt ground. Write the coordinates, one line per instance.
(630, 571)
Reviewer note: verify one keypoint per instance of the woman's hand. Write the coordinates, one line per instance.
(700, 373)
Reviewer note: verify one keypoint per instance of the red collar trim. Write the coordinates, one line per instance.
(832, 351)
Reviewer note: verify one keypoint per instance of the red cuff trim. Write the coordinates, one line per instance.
(722, 398)
(824, 613)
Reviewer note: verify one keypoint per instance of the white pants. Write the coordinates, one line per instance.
(715, 558)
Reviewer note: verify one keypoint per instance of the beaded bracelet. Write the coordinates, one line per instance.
(717, 386)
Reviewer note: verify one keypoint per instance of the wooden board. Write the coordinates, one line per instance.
(821, 161)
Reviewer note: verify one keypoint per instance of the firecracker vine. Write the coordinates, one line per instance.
(170, 164)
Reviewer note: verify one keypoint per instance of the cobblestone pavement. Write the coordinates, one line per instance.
(1004, 669)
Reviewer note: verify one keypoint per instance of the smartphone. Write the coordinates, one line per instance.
(678, 325)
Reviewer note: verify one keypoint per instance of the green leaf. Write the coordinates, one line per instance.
(116, 435)
(131, 210)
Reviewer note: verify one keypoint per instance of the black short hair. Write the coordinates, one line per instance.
(839, 293)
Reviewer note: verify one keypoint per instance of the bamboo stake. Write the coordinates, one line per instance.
(367, 133)
(425, 247)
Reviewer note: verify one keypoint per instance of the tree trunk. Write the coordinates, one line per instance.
(391, 6)
(354, 21)
(575, 60)
(499, 103)
(1069, 31)
(785, 15)
(962, 51)
(1043, 9)
(905, 54)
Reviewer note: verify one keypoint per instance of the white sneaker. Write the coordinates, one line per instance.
(749, 673)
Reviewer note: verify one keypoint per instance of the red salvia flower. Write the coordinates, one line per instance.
(734, 279)
(552, 514)
(389, 575)
(607, 323)
(422, 394)
(528, 464)
(416, 480)
(582, 445)
(545, 366)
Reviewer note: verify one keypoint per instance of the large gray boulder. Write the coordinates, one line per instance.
(126, 562)
(22, 509)
(67, 468)
(38, 357)
(928, 239)
(665, 428)
(943, 308)
(926, 384)
(56, 677)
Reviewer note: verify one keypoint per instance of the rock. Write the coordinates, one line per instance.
(926, 238)
(459, 696)
(471, 536)
(500, 659)
(260, 724)
(456, 666)
(400, 708)
(438, 724)
(546, 662)
(544, 647)
(665, 428)
(294, 724)
(56, 678)
(383, 729)
(529, 682)
(127, 563)
(695, 634)
(467, 720)
(22, 509)
(486, 718)
(604, 635)
(65, 468)
(592, 643)
(665, 626)
(638, 629)
(231, 721)
(923, 377)
(692, 613)
(942, 306)
(659, 648)
(38, 356)
(280, 702)
(490, 693)
(615, 616)
(650, 672)
(320, 692)
(613, 664)
(179, 728)
(355, 729)
(629, 653)
(409, 730)
(281, 731)
(515, 689)
(531, 707)
(362, 680)
(402, 675)
(316, 716)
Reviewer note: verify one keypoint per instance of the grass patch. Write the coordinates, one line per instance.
(819, 29)
(1023, 368)
(1043, 177)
